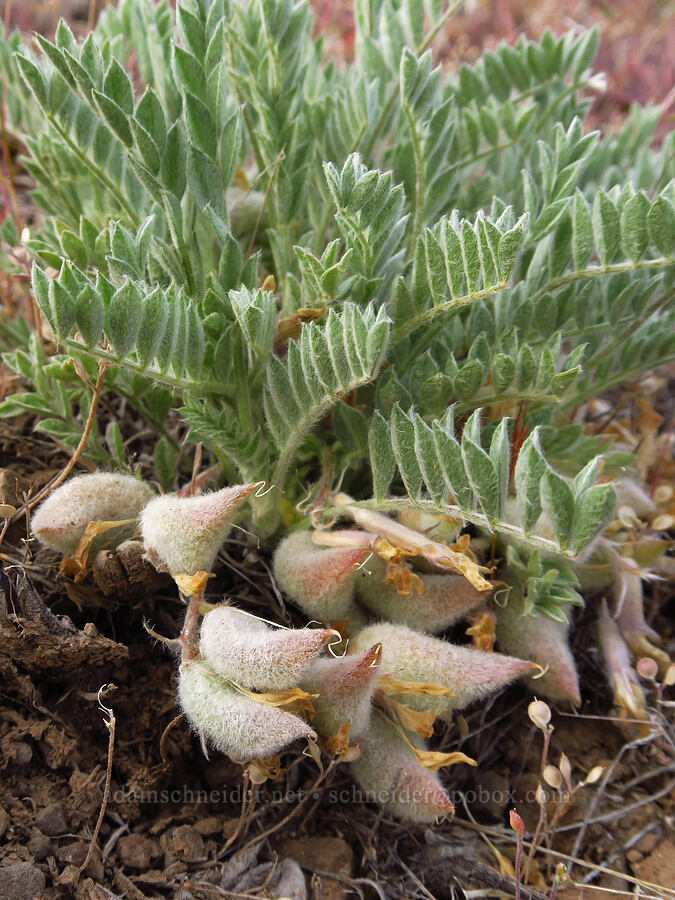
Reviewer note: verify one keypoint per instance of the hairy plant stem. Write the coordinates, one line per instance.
(419, 176)
(188, 635)
(110, 359)
(609, 269)
(611, 381)
(449, 306)
(95, 170)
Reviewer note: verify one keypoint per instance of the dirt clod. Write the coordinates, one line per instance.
(183, 843)
(39, 845)
(137, 851)
(322, 854)
(209, 826)
(21, 881)
(52, 820)
(74, 853)
(659, 866)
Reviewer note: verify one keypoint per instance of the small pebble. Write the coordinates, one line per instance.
(52, 820)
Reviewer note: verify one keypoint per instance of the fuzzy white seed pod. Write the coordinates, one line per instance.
(346, 687)
(542, 640)
(629, 601)
(389, 773)
(234, 724)
(470, 674)
(60, 520)
(630, 493)
(319, 580)
(246, 650)
(182, 535)
(444, 600)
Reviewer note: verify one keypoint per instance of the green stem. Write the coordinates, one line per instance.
(451, 305)
(616, 378)
(620, 338)
(447, 15)
(595, 271)
(95, 170)
(386, 109)
(204, 387)
(533, 397)
(419, 177)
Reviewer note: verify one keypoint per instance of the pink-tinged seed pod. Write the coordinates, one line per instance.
(244, 649)
(446, 598)
(542, 640)
(628, 601)
(232, 723)
(317, 579)
(346, 687)
(470, 674)
(182, 535)
(389, 773)
(60, 520)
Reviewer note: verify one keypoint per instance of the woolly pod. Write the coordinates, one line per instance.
(346, 687)
(628, 601)
(61, 519)
(470, 674)
(630, 614)
(246, 650)
(444, 600)
(319, 580)
(389, 773)
(630, 493)
(542, 640)
(233, 723)
(182, 535)
(627, 691)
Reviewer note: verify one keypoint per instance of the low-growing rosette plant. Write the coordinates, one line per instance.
(376, 299)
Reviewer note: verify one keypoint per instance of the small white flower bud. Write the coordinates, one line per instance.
(182, 535)
(594, 775)
(318, 580)
(553, 777)
(60, 520)
(246, 650)
(565, 768)
(539, 713)
(234, 724)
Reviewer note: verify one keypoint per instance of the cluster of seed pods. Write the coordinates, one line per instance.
(373, 688)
